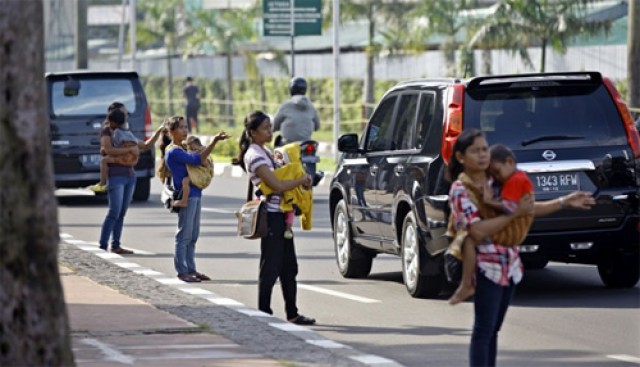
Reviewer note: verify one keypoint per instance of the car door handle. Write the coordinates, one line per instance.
(373, 169)
(398, 170)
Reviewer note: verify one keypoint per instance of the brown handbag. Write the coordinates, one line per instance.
(252, 218)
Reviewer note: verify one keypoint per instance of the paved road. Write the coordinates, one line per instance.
(561, 316)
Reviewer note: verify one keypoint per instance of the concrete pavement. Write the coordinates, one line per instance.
(124, 315)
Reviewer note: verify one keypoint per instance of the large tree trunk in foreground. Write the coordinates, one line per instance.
(34, 329)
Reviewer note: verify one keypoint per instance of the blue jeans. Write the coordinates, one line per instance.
(491, 302)
(120, 193)
(186, 236)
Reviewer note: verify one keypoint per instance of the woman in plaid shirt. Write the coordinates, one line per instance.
(499, 268)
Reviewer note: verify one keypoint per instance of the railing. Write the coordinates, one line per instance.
(217, 112)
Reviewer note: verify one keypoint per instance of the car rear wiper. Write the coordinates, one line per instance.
(550, 137)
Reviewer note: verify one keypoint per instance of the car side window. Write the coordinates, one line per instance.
(405, 120)
(427, 131)
(378, 131)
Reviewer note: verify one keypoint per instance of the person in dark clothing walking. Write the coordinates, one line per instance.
(192, 94)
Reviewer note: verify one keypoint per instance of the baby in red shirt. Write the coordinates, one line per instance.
(515, 185)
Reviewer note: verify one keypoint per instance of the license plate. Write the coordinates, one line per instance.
(555, 182)
(90, 160)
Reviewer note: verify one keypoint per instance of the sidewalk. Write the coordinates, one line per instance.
(123, 314)
(112, 329)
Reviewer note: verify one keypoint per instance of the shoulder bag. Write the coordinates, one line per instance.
(252, 217)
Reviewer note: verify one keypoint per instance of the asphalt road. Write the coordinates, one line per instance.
(561, 316)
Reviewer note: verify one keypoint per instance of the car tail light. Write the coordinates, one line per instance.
(629, 126)
(453, 122)
(308, 149)
(148, 127)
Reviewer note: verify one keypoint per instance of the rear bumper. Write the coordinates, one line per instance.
(556, 246)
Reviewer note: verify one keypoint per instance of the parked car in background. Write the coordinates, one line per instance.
(77, 107)
(569, 131)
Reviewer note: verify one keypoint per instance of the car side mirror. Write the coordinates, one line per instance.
(71, 88)
(348, 143)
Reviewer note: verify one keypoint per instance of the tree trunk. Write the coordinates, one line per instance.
(34, 329)
(449, 50)
(369, 77)
(633, 55)
(230, 118)
(486, 62)
(170, 80)
(543, 55)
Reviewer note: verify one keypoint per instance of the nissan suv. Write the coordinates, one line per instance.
(569, 131)
(77, 107)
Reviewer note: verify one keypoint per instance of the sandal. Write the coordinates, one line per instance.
(189, 278)
(302, 320)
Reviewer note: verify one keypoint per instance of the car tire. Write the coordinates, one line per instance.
(352, 260)
(620, 270)
(414, 259)
(143, 188)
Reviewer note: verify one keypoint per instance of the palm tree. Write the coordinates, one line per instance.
(161, 27)
(518, 24)
(392, 13)
(227, 32)
(442, 18)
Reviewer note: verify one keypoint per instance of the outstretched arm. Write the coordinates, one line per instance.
(209, 148)
(575, 200)
(149, 143)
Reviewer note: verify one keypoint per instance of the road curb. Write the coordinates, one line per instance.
(244, 325)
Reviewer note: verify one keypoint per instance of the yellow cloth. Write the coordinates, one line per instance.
(199, 175)
(300, 197)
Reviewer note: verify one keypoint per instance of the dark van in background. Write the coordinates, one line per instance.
(77, 107)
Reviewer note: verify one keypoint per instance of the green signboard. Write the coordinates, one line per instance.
(277, 17)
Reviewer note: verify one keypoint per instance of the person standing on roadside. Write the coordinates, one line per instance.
(296, 118)
(121, 180)
(189, 217)
(277, 253)
(499, 268)
(192, 94)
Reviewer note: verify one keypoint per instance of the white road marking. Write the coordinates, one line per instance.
(330, 344)
(128, 265)
(147, 272)
(338, 294)
(199, 291)
(625, 358)
(287, 326)
(110, 353)
(220, 211)
(374, 360)
(224, 301)
(170, 281)
(65, 236)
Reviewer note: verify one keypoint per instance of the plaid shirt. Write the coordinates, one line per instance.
(498, 263)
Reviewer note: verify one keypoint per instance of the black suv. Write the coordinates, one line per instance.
(569, 131)
(77, 106)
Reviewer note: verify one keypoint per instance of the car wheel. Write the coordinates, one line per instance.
(414, 259)
(619, 270)
(353, 261)
(143, 188)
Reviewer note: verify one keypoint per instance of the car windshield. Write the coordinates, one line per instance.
(546, 117)
(93, 98)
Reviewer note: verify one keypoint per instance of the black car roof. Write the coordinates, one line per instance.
(107, 73)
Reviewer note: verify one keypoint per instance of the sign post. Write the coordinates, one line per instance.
(292, 18)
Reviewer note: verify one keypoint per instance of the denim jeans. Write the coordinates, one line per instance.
(491, 302)
(186, 237)
(119, 194)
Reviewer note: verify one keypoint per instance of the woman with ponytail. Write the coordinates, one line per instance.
(277, 253)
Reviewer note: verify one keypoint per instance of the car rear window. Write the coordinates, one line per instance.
(93, 98)
(546, 116)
